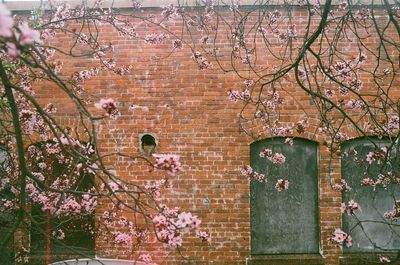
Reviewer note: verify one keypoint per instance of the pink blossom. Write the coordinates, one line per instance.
(84, 75)
(259, 177)
(249, 83)
(376, 155)
(343, 5)
(329, 93)
(246, 59)
(204, 236)
(291, 31)
(355, 84)
(272, 17)
(361, 58)
(113, 186)
(109, 106)
(301, 126)
(12, 50)
(168, 162)
(282, 184)
(59, 234)
(88, 203)
(339, 237)
(266, 152)
(28, 36)
(175, 241)
(202, 62)
(342, 186)
(122, 238)
(155, 187)
(386, 71)
(246, 170)
(393, 213)
(275, 158)
(393, 124)
(351, 207)
(289, 141)
(184, 220)
(343, 91)
(235, 95)
(355, 104)
(169, 11)
(384, 259)
(6, 21)
(155, 38)
(177, 44)
(146, 258)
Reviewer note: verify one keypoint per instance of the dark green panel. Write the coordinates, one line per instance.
(285, 222)
(7, 219)
(374, 202)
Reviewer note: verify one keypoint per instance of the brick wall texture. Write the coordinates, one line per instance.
(189, 112)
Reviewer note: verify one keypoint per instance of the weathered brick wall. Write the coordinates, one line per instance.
(189, 112)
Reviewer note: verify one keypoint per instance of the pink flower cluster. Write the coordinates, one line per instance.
(171, 222)
(249, 83)
(282, 184)
(82, 76)
(393, 124)
(343, 68)
(274, 100)
(393, 213)
(6, 21)
(146, 258)
(31, 121)
(384, 259)
(177, 44)
(109, 106)
(168, 162)
(275, 158)
(350, 208)
(342, 186)
(356, 104)
(122, 238)
(154, 188)
(235, 95)
(377, 155)
(24, 35)
(339, 237)
(59, 234)
(155, 38)
(273, 17)
(27, 35)
(248, 172)
(59, 205)
(127, 232)
(113, 186)
(169, 12)
(301, 125)
(201, 60)
(367, 182)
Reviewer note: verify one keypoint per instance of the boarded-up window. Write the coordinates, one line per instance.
(369, 229)
(285, 222)
(7, 218)
(77, 240)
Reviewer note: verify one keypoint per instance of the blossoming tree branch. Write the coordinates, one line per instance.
(337, 64)
(58, 169)
(343, 58)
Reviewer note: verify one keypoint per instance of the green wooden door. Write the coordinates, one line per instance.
(369, 229)
(285, 222)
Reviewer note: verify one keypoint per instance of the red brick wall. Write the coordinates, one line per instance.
(190, 113)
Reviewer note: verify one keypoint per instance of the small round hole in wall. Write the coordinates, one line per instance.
(148, 144)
